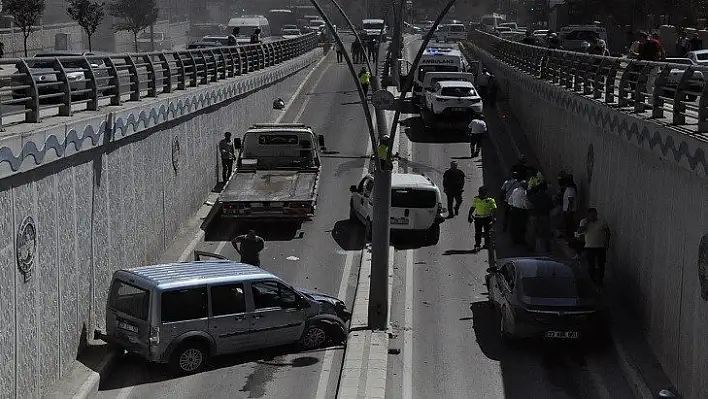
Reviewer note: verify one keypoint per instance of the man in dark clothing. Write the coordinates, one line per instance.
(340, 54)
(541, 207)
(236, 31)
(226, 149)
(250, 247)
(521, 168)
(649, 49)
(695, 43)
(453, 186)
(371, 48)
(554, 42)
(529, 39)
(256, 36)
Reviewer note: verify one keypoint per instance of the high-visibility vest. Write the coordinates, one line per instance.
(536, 180)
(364, 78)
(383, 151)
(483, 207)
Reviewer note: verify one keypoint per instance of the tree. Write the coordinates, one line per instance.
(26, 13)
(88, 14)
(136, 15)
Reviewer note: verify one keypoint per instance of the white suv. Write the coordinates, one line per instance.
(416, 204)
(453, 97)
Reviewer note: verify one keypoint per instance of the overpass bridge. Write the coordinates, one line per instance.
(101, 177)
(635, 136)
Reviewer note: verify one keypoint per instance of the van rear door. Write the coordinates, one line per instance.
(128, 314)
(413, 208)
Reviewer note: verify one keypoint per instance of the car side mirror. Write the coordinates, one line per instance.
(492, 270)
(353, 188)
(321, 142)
(237, 143)
(303, 303)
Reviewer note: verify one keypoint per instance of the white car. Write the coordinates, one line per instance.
(451, 33)
(416, 204)
(290, 33)
(694, 85)
(700, 57)
(453, 97)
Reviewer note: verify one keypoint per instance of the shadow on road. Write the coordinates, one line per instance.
(349, 235)
(418, 132)
(223, 229)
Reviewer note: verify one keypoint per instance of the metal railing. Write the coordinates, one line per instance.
(668, 90)
(33, 88)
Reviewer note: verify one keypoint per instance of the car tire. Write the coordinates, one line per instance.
(190, 358)
(433, 234)
(314, 336)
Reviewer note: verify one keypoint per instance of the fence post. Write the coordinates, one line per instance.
(181, 72)
(114, 91)
(134, 78)
(92, 104)
(152, 76)
(65, 107)
(166, 74)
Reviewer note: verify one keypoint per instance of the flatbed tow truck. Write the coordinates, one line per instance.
(276, 177)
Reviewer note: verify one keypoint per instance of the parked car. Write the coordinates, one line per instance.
(46, 76)
(541, 297)
(416, 205)
(289, 33)
(203, 45)
(700, 57)
(227, 40)
(694, 85)
(453, 97)
(184, 313)
(162, 42)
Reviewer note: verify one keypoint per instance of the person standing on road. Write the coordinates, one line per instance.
(482, 215)
(596, 234)
(521, 168)
(365, 80)
(453, 186)
(371, 48)
(226, 148)
(483, 84)
(519, 214)
(249, 247)
(340, 55)
(256, 36)
(476, 130)
(505, 196)
(570, 205)
(541, 207)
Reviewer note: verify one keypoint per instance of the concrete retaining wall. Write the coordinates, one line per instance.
(83, 198)
(40, 40)
(650, 182)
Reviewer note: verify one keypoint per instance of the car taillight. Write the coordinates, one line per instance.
(154, 335)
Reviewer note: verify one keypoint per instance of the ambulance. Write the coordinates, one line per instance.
(437, 59)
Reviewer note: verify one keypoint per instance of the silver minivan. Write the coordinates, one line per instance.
(184, 313)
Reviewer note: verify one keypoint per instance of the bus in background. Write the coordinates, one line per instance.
(277, 19)
(492, 21)
(247, 25)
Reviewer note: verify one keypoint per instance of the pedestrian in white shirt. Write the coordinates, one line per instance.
(476, 130)
(570, 205)
(505, 196)
(597, 238)
(519, 214)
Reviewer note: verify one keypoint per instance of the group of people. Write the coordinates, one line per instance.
(684, 44)
(359, 50)
(647, 48)
(528, 204)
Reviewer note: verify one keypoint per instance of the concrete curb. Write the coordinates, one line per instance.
(365, 365)
(635, 372)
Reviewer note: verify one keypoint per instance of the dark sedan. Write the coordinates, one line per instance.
(539, 297)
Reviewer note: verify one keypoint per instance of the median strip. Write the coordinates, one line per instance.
(366, 356)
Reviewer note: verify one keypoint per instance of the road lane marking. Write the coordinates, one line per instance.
(299, 89)
(308, 98)
(326, 373)
(189, 249)
(407, 386)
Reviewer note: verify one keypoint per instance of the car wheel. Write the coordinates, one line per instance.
(434, 234)
(314, 336)
(190, 358)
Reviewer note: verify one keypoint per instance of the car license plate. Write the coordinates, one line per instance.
(399, 220)
(458, 109)
(126, 326)
(563, 334)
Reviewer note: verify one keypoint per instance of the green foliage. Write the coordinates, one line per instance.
(88, 14)
(135, 15)
(27, 14)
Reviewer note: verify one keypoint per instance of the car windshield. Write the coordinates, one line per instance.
(373, 25)
(435, 68)
(129, 299)
(702, 56)
(457, 91)
(457, 28)
(682, 61)
(291, 32)
(586, 35)
(413, 198)
(556, 286)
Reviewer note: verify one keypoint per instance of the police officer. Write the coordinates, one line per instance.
(382, 151)
(364, 80)
(226, 149)
(482, 215)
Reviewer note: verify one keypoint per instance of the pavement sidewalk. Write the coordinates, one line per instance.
(638, 363)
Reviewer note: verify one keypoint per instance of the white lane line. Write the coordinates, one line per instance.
(407, 386)
(187, 253)
(307, 100)
(299, 89)
(326, 373)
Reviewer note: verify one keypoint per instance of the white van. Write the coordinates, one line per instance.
(374, 28)
(416, 204)
(437, 59)
(451, 33)
(247, 25)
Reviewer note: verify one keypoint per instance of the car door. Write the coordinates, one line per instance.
(504, 281)
(278, 318)
(363, 201)
(230, 321)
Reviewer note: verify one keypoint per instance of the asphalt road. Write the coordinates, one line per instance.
(323, 255)
(447, 335)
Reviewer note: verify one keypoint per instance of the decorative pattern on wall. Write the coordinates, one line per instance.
(26, 247)
(49, 143)
(660, 139)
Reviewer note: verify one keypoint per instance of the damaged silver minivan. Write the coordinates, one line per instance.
(184, 313)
